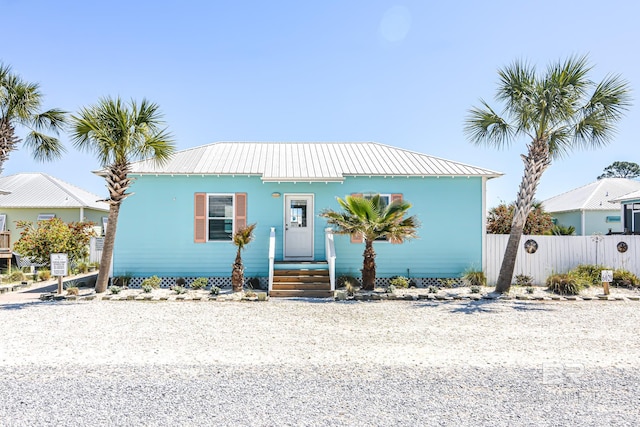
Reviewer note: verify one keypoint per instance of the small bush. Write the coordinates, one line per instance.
(588, 274)
(250, 294)
(147, 289)
(563, 284)
(214, 290)
(432, 289)
(44, 275)
(83, 267)
(254, 283)
(390, 289)
(448, 283)
(474, 289)
(199, 283)
(473, 277)
(153, 281)
(342, 281)
(180, 281)
(122, 281)
(73, 290)
(530, 289)
(17, 276)
(115, 289)
(399, 282)
(179, 290)
(523, 280)
(625, 278)
(350, 288)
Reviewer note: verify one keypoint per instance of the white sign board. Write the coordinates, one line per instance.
(59, 264)
(607, 276)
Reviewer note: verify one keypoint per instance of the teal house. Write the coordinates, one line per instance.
(180, 220)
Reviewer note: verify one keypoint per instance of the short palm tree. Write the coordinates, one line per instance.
(20, 104)
(241, 238)
(119, 133)
(556, 112)
(372, 219)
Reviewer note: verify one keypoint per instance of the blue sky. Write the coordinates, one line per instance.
(400, 73)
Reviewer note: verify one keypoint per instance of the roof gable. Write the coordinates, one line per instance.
(307, 162)
(39, 190)
(598, 195)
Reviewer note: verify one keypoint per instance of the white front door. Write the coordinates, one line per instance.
(298, 227)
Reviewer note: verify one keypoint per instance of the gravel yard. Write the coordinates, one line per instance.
(303, 362)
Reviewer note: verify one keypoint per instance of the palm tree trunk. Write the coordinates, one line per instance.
(368, 266)
(535, 163)
(8, 141)
(237, 275)
(107, 250)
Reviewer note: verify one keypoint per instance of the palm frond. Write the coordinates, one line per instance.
(243, 236)
(44, 147)
(483, 126)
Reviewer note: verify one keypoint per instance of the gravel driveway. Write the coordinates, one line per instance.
(302, 362)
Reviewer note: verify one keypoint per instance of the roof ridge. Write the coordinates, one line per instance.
(57, 182)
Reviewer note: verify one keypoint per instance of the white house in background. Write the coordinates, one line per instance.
(592, 208)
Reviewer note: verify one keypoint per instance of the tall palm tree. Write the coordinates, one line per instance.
(20, 104)
(241, 238)
(372, 219)
(119, 133)
(556, 112)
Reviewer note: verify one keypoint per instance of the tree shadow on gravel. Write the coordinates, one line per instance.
(22, 305)
(493, 306)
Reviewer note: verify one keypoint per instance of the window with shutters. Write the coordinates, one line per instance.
(220, 216)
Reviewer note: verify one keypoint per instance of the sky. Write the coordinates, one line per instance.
(401, 73)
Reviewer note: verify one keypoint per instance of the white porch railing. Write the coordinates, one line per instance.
(272, 255)
(330, 250)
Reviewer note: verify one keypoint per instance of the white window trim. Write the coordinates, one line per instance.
(45, 217)
(233, 215)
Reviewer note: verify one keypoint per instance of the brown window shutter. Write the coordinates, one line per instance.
(241, 211)
(200, 218)
(355, 238)
(397, 197)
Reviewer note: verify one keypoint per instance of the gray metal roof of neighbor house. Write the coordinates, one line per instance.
(307, 161)
(39, 190)
(629, 197)
(596, 196)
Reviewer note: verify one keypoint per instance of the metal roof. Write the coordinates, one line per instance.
(598, 195)
(39, 190)
(628, 197)
(320, 161)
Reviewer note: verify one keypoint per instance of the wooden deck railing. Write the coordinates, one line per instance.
(5, 244)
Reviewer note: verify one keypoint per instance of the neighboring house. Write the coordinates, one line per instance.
(630, 212)
(180, 220)
(590, 208)
(37, 196)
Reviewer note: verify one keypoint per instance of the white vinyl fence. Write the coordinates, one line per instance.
(559, 254)
(95, 249)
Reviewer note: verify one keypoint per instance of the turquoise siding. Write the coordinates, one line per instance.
(594, 221)
(155, 228)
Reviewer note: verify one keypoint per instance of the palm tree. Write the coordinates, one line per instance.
(241, 238)
(20, 104)
(372, 219)
(557, 112)
(118, 134)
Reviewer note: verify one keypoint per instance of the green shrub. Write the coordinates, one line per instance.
(254, 283)
(564, 284)
(343, 280)
(179, 290)
(180, 281)
(153, 281)
(122, 281)
(147, 289)
(448, 283)
(17, 276)
(214, 290)
(432, 289)
(399, 282)
(73, 290)
(83, 267)
(250, 294)
(474, 289)
(350, 287)
(625, 278)
(44, 275)
(531, 289)
(523, 280)
(473, 277)
(115, 289)
(390, 289)
(588, 274)
(199, 283)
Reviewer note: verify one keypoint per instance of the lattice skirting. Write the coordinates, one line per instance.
(225, 282)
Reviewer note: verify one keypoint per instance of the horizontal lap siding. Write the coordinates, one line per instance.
(156, 228)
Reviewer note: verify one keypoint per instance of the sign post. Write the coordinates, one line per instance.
(607, 277)
(59, 268)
